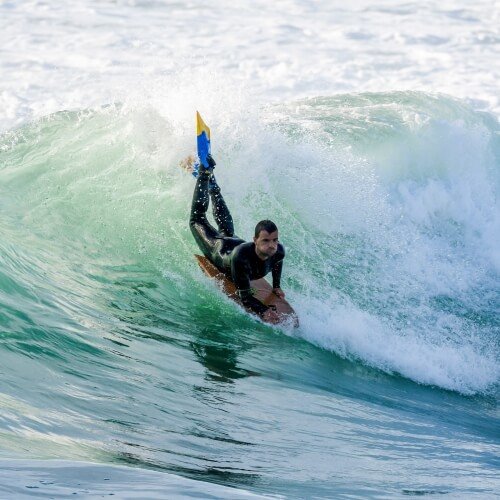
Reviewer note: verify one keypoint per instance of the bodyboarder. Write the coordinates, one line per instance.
(242, 261)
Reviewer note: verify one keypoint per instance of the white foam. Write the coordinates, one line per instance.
(357, 334)
(87, 53)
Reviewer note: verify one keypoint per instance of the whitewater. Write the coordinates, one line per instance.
(369, 132)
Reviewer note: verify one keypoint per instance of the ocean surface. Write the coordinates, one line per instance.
(368, 131)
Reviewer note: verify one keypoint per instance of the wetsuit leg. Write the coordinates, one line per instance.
(220, 211)
(206, 236)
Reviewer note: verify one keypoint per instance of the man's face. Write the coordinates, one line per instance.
(266, 244)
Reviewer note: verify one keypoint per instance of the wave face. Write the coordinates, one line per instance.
(116, 349)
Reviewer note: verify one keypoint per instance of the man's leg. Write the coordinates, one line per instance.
(204, 233)
(220, 211)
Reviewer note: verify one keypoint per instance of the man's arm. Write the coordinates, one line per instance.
(251, 302)
(276, 272)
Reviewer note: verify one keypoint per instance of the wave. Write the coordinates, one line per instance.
(386, 203)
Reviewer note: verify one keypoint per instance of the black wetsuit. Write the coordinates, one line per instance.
(230, 254)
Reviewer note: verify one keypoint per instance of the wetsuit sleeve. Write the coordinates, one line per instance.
(278, 267)
(276, 273)
(240, 277)
(251, 302)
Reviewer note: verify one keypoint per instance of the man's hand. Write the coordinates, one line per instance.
(279, 292)
(271, 316)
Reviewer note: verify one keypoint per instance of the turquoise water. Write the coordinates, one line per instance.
(116, 350)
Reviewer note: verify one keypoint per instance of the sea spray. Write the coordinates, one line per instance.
(417, 177)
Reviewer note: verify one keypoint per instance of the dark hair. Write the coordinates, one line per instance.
(265, 225)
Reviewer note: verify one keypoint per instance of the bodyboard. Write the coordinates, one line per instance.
(263, 292)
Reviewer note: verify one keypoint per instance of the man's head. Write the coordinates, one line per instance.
(266, 239)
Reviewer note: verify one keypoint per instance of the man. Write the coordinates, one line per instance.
(243, 261)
